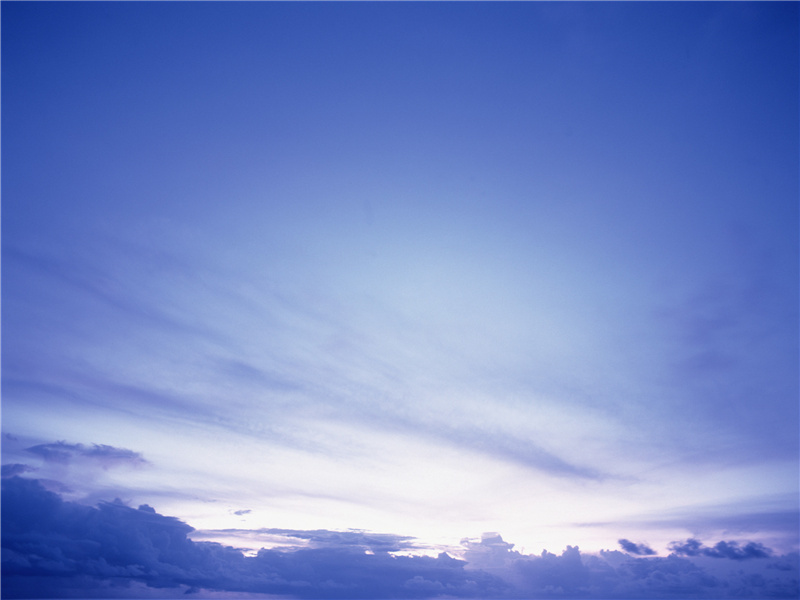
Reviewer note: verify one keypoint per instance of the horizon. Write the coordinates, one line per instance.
(407, 299)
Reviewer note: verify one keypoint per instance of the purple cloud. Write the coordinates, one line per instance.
(45, 537)
(11, 470)
(732, 550)
(55, 548)
(375, 542)
(62, 452)
(633, 548)
(323, 538)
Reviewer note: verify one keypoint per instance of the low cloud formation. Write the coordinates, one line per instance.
(48, 542)
(55, 548)
(613, 574)
(375, 542)
(732, 550)
(637, 549)
(62, 452)
(285, 539)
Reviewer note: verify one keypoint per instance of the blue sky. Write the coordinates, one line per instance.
(437, 272)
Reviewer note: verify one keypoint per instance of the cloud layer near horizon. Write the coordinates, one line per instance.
(57, 548)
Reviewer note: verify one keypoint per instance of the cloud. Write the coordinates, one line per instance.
(62, 452)
(612, 574)
(44, 537)
(732, 550)
(56, 548)
(11, 470)
(507, 447)
(375, 542)
(319, 538)
(347, 573)
(575, 575)
(245, 373)
(638, 549)
(777, 514)
(108, 287)
(717, 330)
(521, 451)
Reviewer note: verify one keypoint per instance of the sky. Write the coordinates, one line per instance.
(400, 300)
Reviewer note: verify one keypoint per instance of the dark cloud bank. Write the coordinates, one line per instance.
(634, 548)
(54, 548)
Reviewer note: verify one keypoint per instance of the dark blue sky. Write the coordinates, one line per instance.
(427, 269)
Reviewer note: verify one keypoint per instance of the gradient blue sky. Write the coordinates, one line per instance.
(429, 270)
